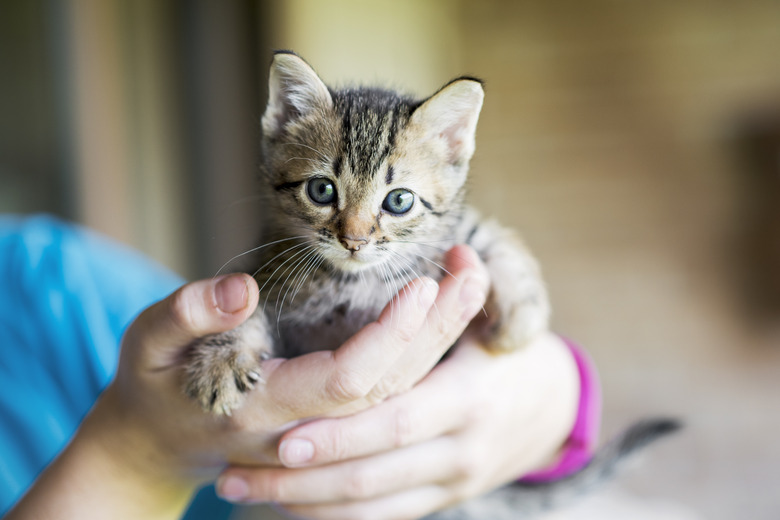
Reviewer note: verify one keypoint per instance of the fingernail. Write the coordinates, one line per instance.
(472, 296)
(293, 452)
(232, 488)
(427, 293)
(231, 293)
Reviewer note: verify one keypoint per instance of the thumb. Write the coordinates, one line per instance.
(192, 311)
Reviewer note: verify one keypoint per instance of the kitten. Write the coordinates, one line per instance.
(364, 191)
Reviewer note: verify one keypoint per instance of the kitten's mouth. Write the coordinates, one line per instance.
(352, 261)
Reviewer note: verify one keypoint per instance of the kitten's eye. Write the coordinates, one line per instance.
(321, 190)
(398, 201)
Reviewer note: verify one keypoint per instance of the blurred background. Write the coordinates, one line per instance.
(636, 145)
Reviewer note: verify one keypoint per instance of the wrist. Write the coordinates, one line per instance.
(128, 444)
(108, 470)
(581, 441)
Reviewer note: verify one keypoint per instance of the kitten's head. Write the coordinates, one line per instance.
(365, 173)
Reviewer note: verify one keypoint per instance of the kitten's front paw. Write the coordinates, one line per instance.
(219, 372)
(515, 323)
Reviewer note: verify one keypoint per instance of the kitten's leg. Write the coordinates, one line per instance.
(518, 307)
(220, 368)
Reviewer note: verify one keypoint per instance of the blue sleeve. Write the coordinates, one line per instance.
(66, 297)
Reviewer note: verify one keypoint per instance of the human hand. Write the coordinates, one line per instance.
(385, 358)
(477, 421)
(145, 447)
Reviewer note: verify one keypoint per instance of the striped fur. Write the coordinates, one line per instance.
(348, 249)
(339, 170)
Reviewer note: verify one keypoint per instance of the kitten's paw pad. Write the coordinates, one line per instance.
(217, 376)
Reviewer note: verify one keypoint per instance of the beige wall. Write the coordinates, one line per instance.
(607, 136)
(410, 45)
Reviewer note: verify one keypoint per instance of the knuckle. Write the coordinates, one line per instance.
(271, 487)
(404, 333)
(465, 467)
(181, 311)
(336, 447)
(468, 465)
(345, 386)
(360, 484)
(403, 427)
(386, 387)
(445, 327)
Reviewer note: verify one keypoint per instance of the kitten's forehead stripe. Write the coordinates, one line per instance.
(337, 163)
(389, 176)
(371, 119)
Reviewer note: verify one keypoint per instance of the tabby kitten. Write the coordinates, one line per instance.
(364, 192)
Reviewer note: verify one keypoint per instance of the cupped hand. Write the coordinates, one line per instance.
(478, 420)
(145, 447)
(385, 358)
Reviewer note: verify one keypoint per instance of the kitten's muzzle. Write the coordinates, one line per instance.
(353, 244)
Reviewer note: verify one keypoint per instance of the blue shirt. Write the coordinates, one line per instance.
(66, 297)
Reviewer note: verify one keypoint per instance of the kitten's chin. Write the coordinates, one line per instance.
(353, 264)
(349, 263)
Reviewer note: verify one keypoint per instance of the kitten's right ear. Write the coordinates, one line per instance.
(294, 90)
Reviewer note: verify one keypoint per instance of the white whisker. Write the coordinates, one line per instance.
(314, 262)
(258, 248)
(271, 276)
(306, 260)
(293, 268)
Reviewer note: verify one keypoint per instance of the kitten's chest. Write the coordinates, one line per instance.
(320, 308)
(324, 313)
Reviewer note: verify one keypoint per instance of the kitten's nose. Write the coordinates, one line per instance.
(352, 243)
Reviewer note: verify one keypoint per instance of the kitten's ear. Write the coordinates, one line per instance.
(451, 116)
(294, 90)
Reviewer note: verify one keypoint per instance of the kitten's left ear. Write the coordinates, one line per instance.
(451, 116)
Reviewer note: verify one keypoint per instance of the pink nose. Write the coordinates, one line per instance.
(353, 244)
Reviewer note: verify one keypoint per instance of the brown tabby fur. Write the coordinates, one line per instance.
(326, 270)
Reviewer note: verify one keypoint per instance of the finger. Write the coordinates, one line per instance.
(439, 404)
(194, 310)
(461, 296)
(412, 503)
(358, 480)
(322, 381)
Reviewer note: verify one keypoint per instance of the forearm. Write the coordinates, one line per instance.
(98, 477)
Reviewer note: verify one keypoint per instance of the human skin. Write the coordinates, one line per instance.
(475, 422)
(145, 448)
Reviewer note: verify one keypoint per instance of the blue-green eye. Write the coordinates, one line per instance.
(321, 190)
(398, 201)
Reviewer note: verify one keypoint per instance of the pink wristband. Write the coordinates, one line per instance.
(581, 443)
